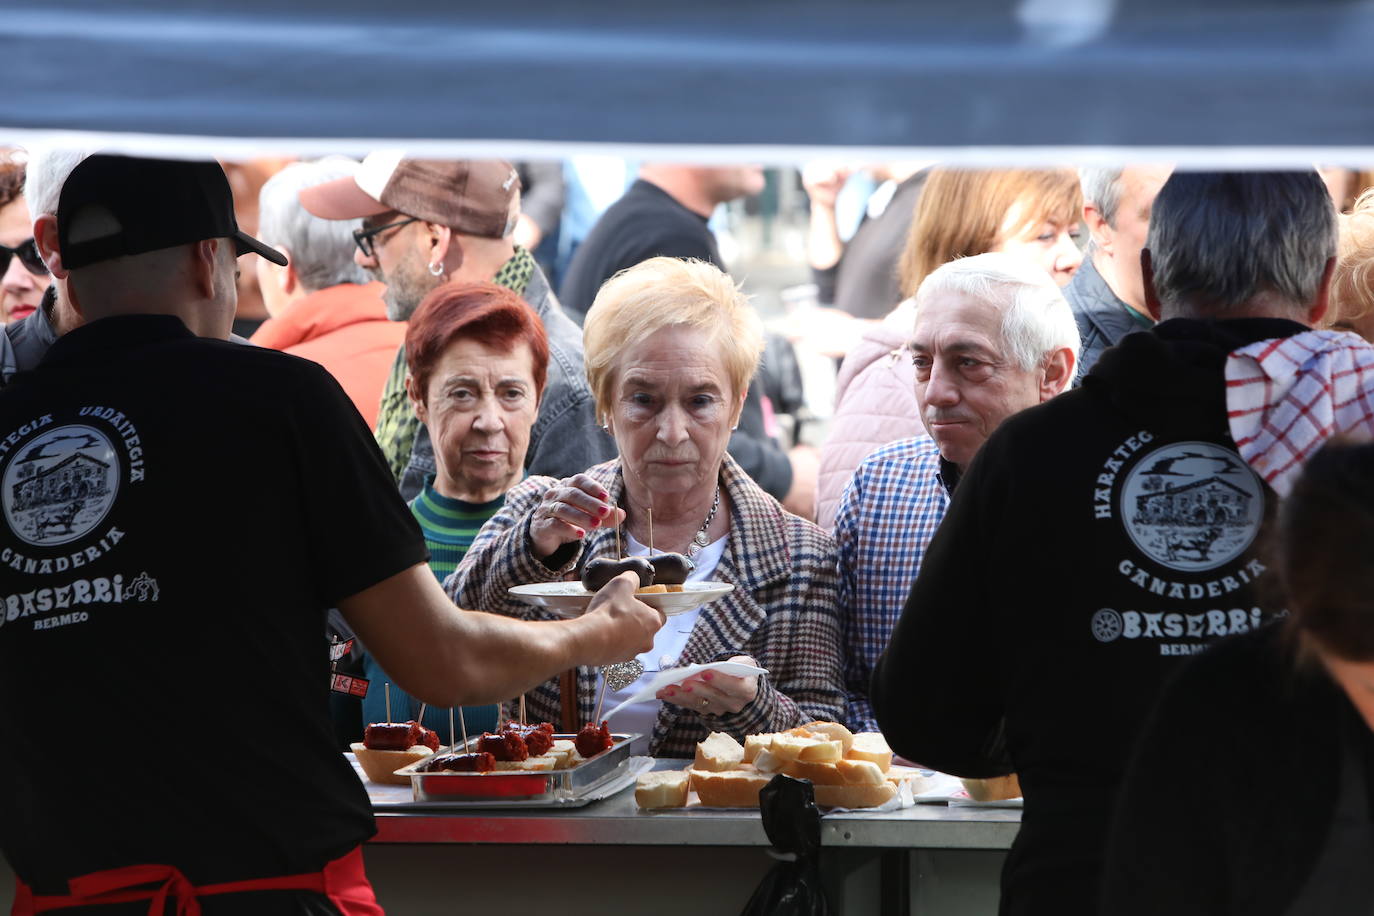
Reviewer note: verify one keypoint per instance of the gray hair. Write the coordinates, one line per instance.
(1219, 239)
(47, 173)
(321, 250)
(1102, 189)
(1036, 319)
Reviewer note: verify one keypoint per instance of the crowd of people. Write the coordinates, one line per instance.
(1094, 423)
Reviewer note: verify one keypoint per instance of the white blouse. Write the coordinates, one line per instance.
(669, 643)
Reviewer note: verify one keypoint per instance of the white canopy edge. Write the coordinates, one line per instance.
(243, 148)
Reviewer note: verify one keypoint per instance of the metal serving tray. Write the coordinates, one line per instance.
(514, 785)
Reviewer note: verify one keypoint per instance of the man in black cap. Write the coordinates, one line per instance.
(205, 743)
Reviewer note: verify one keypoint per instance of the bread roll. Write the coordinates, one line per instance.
(808, 748)
(871, 746)
(860, 772)
(718, 752)
(855, 796)
(755, 743)
(531, 764)
(821, 774)
(994, 789)
(766, 762)
(899, 773)
(651, 590)
(381, 766)
(728, 789)
(662, 789)
(834, 731)
(564, 750)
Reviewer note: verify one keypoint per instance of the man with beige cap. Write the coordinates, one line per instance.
(428, 222)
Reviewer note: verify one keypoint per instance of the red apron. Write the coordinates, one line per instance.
(342, 881)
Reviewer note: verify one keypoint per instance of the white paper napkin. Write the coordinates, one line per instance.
(678, 675)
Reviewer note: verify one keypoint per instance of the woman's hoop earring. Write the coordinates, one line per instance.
(436, 269)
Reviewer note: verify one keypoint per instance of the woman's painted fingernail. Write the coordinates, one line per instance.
(707, 675)
(581, 533)
(603, 511)
(686, 689)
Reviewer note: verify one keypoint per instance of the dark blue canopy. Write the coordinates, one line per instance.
(952, 73)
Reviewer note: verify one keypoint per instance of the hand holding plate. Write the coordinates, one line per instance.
(624, 626)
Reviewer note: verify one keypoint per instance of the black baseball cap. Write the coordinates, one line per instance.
(113, 206)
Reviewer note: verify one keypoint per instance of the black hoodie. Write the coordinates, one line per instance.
(1096, 540)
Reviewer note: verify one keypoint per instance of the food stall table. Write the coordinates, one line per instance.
(930, 859)
(610, 857)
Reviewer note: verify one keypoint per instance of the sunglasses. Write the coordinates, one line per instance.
(27, 252)
(364, 237)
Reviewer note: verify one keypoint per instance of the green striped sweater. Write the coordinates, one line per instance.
(449, 525)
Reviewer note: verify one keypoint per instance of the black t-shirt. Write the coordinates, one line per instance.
(865, 281)
(646, 222)
(1096, 542)
(181, 624)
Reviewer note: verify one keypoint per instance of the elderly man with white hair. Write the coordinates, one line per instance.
(321, 304)
(993, 336)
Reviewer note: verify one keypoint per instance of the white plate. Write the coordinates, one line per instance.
(570, 599)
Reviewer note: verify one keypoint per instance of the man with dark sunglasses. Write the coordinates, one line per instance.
(430, 222)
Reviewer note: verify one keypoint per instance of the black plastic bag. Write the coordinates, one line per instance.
(792, 887)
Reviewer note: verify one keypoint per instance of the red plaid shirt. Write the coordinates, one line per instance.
(1284, 398)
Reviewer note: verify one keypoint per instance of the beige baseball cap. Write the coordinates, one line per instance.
(472, 196)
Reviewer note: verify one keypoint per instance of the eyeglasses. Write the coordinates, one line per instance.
(364, 237)
(27, 252)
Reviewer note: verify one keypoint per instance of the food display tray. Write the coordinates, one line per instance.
(547, 786)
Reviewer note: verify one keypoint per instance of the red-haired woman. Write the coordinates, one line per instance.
(478, 358)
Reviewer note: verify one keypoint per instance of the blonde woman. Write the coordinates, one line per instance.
(1352, 283)
(670, 349)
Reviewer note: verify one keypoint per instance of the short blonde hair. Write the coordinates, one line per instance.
(669, 292)
(961, 213)
(1352, 282)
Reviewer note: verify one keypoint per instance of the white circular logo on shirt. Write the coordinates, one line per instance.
(1192, 505)
(60, 485)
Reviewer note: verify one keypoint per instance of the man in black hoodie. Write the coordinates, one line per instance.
(1099, 538)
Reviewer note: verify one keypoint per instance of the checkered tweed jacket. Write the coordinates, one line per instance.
(782, 611)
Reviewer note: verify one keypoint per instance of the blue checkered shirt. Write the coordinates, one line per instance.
(888, 514)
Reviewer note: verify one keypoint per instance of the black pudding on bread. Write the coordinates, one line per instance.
(671, 568)
(598, 572)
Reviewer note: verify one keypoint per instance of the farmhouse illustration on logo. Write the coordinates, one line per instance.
(1192, 505)
(61, 486)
